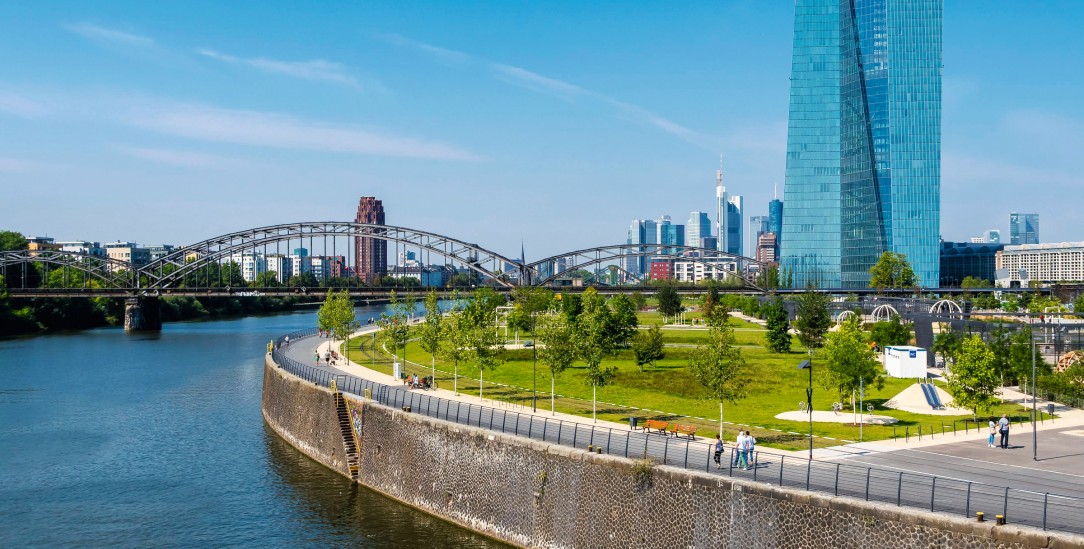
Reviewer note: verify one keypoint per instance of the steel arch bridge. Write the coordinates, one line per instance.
(109, 272)
(586, 257)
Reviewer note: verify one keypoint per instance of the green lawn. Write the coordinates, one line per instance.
(668, 390)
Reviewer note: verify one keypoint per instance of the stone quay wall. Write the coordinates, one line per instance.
(534, 494)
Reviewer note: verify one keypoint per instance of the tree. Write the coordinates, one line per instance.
(624, 321)
(594, 341)
(266, 279)
(1078, 305)
(647, 346)
(973, 381)
(891, 332)
(12, 241)
(973, 282)
(768, 277)
(778, 337)
(431, 330)
(336, 317)
(720, 367)
(639, 301)
(711, 299)
(558, 350)
(395, 326)
(892, 271)
(948, 344)
(719, 315)
(669, 300)
(1067, 384)
(812, 319)
(529, 304)
(454, 343)
(484, 344)
(850, 362)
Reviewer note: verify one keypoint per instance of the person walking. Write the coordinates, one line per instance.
(750, 451)
(737, 449)
(743, 458)
(718, 452)
(993, 429)
(287, 340)
(317, 357)
(1003, 427)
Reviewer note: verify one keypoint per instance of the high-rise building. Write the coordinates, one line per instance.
(775, 218)
(698, 227)
(863, 171)
(758, 225)
(370, 254)
(1023, 228)
(635, 264)
(735, 231)
(673, 235)
(766, 248)
(993, 236)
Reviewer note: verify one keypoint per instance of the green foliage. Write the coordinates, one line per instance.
(973, 282)
(1068, 383)
(483, 342)
(1040, 303)
(336, 315)
(12, 241)
(849, 360)
(394, 326)
(558, 350)
(778, 336)
(648, 346)
(1078, 305)
(571, 307)
(711, 298)
(668, 298)
(639, 301)
(768, 278)
(431, 331)
(267, 279)
(593, 337)
(623, 319)
(974, 381)
(948, 344)
(812, 319)
(720, 367)
(891, 332)
(892, 270)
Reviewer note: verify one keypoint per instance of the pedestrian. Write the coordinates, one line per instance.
(1003, 426)
(718, 452)
(317, 357)
(750, 451)
(993, 429)
(287, 340)
(738, 441)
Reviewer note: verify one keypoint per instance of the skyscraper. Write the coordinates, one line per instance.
(864, 140)
(758, 225)
(1023, 228)
(720, 209)
(698, 227)
(735, 230)
(635, 264)
(993, 236)
(775, 218)
(370, 254)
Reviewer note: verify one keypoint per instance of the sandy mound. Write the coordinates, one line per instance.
(843, 417)
(912, 400)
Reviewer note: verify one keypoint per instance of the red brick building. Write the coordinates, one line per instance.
(370, 254)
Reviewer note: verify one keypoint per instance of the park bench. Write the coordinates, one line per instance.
(656, 424)
(687, 430)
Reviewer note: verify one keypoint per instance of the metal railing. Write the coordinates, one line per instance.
(928, 492)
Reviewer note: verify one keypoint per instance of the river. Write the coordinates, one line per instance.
(132, 440)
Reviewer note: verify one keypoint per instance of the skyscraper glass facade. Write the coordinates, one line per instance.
(864, 140)
(698, 227)
(735, 230)
(1023, 228)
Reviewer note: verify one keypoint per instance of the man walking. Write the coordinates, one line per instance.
(1003, 427)
(718, 451)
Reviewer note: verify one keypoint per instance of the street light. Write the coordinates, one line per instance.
(808, 365)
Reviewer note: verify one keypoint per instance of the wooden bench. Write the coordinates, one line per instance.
(656, 424)
(687, 430)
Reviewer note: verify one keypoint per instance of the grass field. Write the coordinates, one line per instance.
(669, 391)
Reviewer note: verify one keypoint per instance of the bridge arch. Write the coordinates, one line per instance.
(618, 252)
(169, 270)
(113, 273)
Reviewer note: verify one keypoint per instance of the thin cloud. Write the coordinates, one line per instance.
(184, 159)
(315, 70)
(14, 165)
(538, 83)
(112, 36)
(18, 105)
(284, 132)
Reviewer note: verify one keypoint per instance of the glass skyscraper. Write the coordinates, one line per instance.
(864, 141)
(1023, 228)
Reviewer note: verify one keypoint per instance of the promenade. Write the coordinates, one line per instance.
(970, 475)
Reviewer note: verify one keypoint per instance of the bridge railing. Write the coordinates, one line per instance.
(916, 490)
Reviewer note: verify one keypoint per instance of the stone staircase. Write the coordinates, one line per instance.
(347, 429)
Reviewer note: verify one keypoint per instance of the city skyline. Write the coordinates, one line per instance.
(163, 123)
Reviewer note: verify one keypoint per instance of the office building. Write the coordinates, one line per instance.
(709, 268)
(698, 227)
(1021, 265)
(735, 229)
(282, 265)
(252, 264)
(82, 247)
(864, 141)
(1023, 228)
(370, 254)
(766, 248)
(127, 251)
(671, 234)
(662, 269)
(709, 242)
(158, 251)
(775, 218)
(993, 236)
(960, 260)
(758, 225)
(635, 264)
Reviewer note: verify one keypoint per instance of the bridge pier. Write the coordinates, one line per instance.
(141, 314)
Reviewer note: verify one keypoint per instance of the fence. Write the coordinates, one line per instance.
(929, 492)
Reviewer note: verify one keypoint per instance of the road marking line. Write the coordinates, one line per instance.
(995, 463)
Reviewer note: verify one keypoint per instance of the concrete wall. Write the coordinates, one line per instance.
(539, 495)
(303, 414)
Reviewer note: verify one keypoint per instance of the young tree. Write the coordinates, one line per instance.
(454, 342)
(892, 271)
(1078, 305)
(485, 345)
(395, 326)
(948, 344)
(647, 346)
(850, 362)
(973, 382)
(530, 303)
(558, 350)
(711, 299)
(336, 317)
(891, 332)
(778, 337)
(720, 367)
(624, 321)
(669, 300)
(639, 301)
(594, 341)
(812, 319)
(431, 331)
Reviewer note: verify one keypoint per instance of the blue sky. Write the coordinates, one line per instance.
(555, 123)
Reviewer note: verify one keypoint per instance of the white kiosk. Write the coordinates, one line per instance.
(905, 361)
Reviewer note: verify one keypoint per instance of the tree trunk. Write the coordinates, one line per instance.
(720, 420)
(481, 382)
(594, 415)
(552, 394)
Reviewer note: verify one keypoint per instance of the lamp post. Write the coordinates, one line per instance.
(808, 365)
(1034, 405)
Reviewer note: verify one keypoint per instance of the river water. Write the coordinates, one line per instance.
(132, 440)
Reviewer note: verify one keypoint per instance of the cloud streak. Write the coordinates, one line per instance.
(566, 91)
(184, 159)
(315, 70)
(111, 36)
(280, 131)
(19, 105)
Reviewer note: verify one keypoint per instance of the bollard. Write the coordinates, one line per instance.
(1000, 519)
(598, 450)
(406, 408)
(590, 448)
(980, 516)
